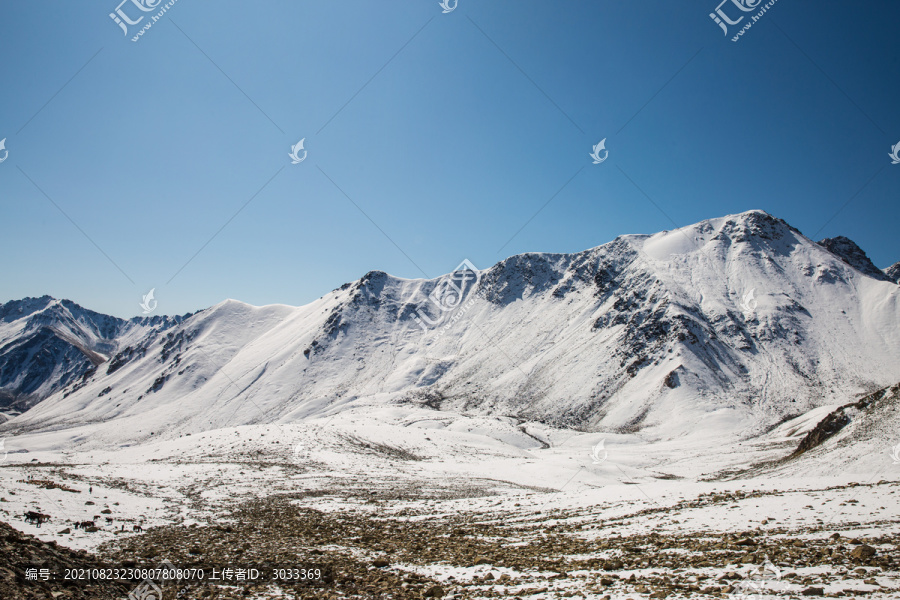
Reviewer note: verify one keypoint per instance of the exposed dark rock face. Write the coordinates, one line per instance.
(893, 272)
(838, 419)
(28, 363)
(854, 256)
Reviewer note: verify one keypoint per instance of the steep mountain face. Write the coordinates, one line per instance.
(855, 437)
(853, 255)
(47, 345)
(730, 325)
(893, 272)
(865, 415)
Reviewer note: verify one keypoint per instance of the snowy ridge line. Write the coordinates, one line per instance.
(723, 328)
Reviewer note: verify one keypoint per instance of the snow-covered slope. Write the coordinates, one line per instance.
(726, 327)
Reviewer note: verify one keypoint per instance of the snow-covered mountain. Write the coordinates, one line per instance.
(731, 325)
(48, 344)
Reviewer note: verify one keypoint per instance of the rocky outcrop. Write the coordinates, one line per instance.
(854, 256)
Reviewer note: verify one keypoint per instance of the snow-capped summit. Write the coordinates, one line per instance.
(729, 325)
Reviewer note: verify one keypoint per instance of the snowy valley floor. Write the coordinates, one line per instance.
(415, 503)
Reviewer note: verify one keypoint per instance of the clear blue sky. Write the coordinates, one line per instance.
(450, 131)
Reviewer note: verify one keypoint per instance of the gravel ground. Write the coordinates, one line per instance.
(539, 555)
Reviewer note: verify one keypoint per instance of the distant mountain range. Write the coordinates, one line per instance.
(732, 324)
(48, 344)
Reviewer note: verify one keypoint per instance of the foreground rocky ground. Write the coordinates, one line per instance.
(418, 553)
(379, 521)
(19, 552)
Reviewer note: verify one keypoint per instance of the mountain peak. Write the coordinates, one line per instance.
(17, 309)
(762, 224)
(853, 255)
(893, 272)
